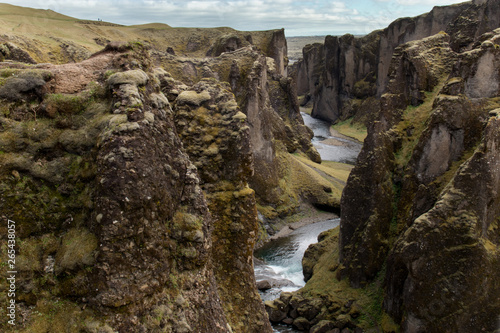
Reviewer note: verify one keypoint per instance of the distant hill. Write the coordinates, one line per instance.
(48, 36)
(296, 44)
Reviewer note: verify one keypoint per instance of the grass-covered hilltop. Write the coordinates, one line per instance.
(141, 165)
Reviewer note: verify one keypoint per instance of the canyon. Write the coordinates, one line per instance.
(143, 165)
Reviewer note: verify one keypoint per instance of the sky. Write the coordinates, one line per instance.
(299, 18)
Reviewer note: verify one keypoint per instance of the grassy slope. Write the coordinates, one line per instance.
(351, 129)
(366, 302)
(47, 30)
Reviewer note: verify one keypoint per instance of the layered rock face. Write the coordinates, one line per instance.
(113, 226)
(418, 245)
(134, 176)
(339, 74)
(430, 221)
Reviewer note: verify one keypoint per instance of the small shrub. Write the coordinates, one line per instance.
(25, 85)
(64, 104)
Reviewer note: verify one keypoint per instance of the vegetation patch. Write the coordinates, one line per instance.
(362, 306)
(64, 104)
(352, 129)
(21, 85)
(77, 250)
(413, 123)
(57, 315)
(136, 77)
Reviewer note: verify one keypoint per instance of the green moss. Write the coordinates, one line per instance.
(413, 124)
(23, 84)
(365, 87)
(366, 302)
(136, 77)
(186, 221)
(76, 251)
(56, 315)
(445, 178)
(30, 255)
(351, 129)
(387, 324)
(65, 104)
(193, 97)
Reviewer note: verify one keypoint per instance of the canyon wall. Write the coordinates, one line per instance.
(432, 212)
(341, 73)
(134, 170)
(418, 245)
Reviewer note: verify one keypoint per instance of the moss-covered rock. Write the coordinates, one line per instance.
(95, 229)
(430, 229)
(136, 77)
(25, 85)
(216, 137)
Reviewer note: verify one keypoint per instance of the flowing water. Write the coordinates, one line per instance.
(331, 148)
(280, 261)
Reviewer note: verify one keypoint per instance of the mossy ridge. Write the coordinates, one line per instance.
(413, 123)
(46, 187)
(59, 315)
(304, 181)
(235, 231)
(48, 167)
(337, 170)
(446, 177)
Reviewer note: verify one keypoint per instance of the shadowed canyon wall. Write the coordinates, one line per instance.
(418, 245)
(342, 72)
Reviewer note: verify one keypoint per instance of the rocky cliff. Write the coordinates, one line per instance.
(418, 246)
(114, 232)
(134, 171)
(432, 212)
(341, 73)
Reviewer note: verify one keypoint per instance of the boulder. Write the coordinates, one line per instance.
(324, 326)
(301, 323)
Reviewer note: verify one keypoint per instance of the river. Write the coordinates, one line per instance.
(337, 148)
(279, 262)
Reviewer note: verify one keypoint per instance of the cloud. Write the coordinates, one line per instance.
(427, 2)
(317, 17)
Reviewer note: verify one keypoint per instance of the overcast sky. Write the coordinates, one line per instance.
(299, 18)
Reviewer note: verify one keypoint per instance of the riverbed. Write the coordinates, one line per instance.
(330, 145)
(278, 263)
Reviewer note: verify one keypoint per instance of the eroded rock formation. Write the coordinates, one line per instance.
(433, 214)
(340, 73)
(134, 175)
(417, 249)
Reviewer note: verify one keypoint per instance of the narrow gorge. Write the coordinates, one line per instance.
(143, 165)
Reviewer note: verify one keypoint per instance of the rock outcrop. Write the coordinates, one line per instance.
(215, 132)
(432, 213)
(134, 176)
(418, 245)
(339, 74)
(114, 230)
